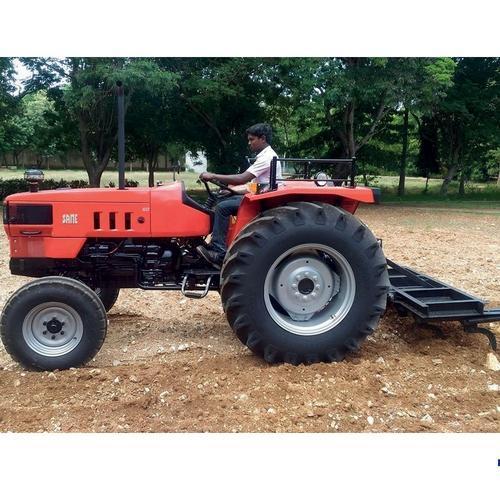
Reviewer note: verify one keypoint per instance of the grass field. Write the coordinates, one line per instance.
(477, 194)
(142, 177)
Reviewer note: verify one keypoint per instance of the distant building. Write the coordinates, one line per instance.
(196, 161)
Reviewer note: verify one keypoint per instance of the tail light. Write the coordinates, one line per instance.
(5, 213)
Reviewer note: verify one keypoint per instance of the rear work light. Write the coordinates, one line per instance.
(27, 214)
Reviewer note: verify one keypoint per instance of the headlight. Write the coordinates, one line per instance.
(33, 175)
(29, 214)
(320, 179)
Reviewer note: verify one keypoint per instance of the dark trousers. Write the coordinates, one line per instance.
(223, 211)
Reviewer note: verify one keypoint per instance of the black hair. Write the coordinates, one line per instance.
(261, 129)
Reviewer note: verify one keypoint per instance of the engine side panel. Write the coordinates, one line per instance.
(171, 217)
(42, 247)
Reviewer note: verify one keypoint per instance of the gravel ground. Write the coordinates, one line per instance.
(171, 364)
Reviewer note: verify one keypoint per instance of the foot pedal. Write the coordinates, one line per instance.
(195, 294)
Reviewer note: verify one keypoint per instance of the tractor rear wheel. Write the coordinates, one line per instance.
(53, 323)
(304, 283)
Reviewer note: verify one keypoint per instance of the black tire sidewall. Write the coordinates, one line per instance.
(108, 296)
(91, 312)
(353, 325)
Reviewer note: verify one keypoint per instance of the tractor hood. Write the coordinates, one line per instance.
(86, 195)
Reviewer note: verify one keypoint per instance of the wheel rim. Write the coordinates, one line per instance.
(309, 289)
(52, 329)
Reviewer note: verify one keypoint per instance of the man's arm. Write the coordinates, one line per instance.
(235, 180)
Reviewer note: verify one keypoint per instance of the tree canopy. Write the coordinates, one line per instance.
(417, 115)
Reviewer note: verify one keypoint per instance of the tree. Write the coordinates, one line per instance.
(88, 94)
(216, 99)
(29, 129)
(493, 163)
(423, 82)
(7, 99)
(468, 116)
(149, 122)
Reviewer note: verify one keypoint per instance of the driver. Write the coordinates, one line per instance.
(259, 140)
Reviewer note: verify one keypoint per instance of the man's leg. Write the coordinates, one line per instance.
(223, 212)
(217, 249)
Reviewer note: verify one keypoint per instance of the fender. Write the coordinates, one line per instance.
(346, 198)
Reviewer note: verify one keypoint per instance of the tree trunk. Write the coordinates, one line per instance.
(498, 179)
(456, 150)
(152, 163)
(426, 185)
(349, 130)
(461, 187)
(94, 177)
(404, 154)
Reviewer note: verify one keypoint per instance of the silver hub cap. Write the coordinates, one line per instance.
(52, 329)
(309, 289)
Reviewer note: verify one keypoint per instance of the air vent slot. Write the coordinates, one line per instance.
(97, 220)
(112, 220)
(128, 219)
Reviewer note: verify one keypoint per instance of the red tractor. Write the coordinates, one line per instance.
(303, 281)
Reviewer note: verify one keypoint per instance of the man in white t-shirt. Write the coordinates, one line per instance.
(259, 139)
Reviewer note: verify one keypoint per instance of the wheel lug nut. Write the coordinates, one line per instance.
(306, 273)
(304, 298)
(44, 323)
(45, 332)
(299, 277)
(62, 332)
(62, 323)
(315, 277)
(313, 294)
(53, 337)
(297, 294)
(317, 287)
(294, 285)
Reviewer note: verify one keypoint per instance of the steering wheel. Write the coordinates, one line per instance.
(213, 198)
(220, 185)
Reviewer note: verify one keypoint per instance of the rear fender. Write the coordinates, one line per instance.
(254, 204)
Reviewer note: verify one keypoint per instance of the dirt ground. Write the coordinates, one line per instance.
(171, 364)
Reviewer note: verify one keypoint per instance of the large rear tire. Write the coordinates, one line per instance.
(53, 323)
(304, 283)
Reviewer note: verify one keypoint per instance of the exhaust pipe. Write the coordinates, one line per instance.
(121, 135)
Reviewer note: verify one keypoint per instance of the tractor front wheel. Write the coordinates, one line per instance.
(53, 323)
(304, 283)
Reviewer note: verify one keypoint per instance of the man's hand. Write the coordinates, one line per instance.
(207, 176)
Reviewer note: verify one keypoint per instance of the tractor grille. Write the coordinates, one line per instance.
(113, 220)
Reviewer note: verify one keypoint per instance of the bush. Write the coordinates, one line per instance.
(11, 186)
(128, 183)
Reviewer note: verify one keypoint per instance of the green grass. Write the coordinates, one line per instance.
(476, 194)
(189, 178)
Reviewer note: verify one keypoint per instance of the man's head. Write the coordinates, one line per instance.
(259, 136)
